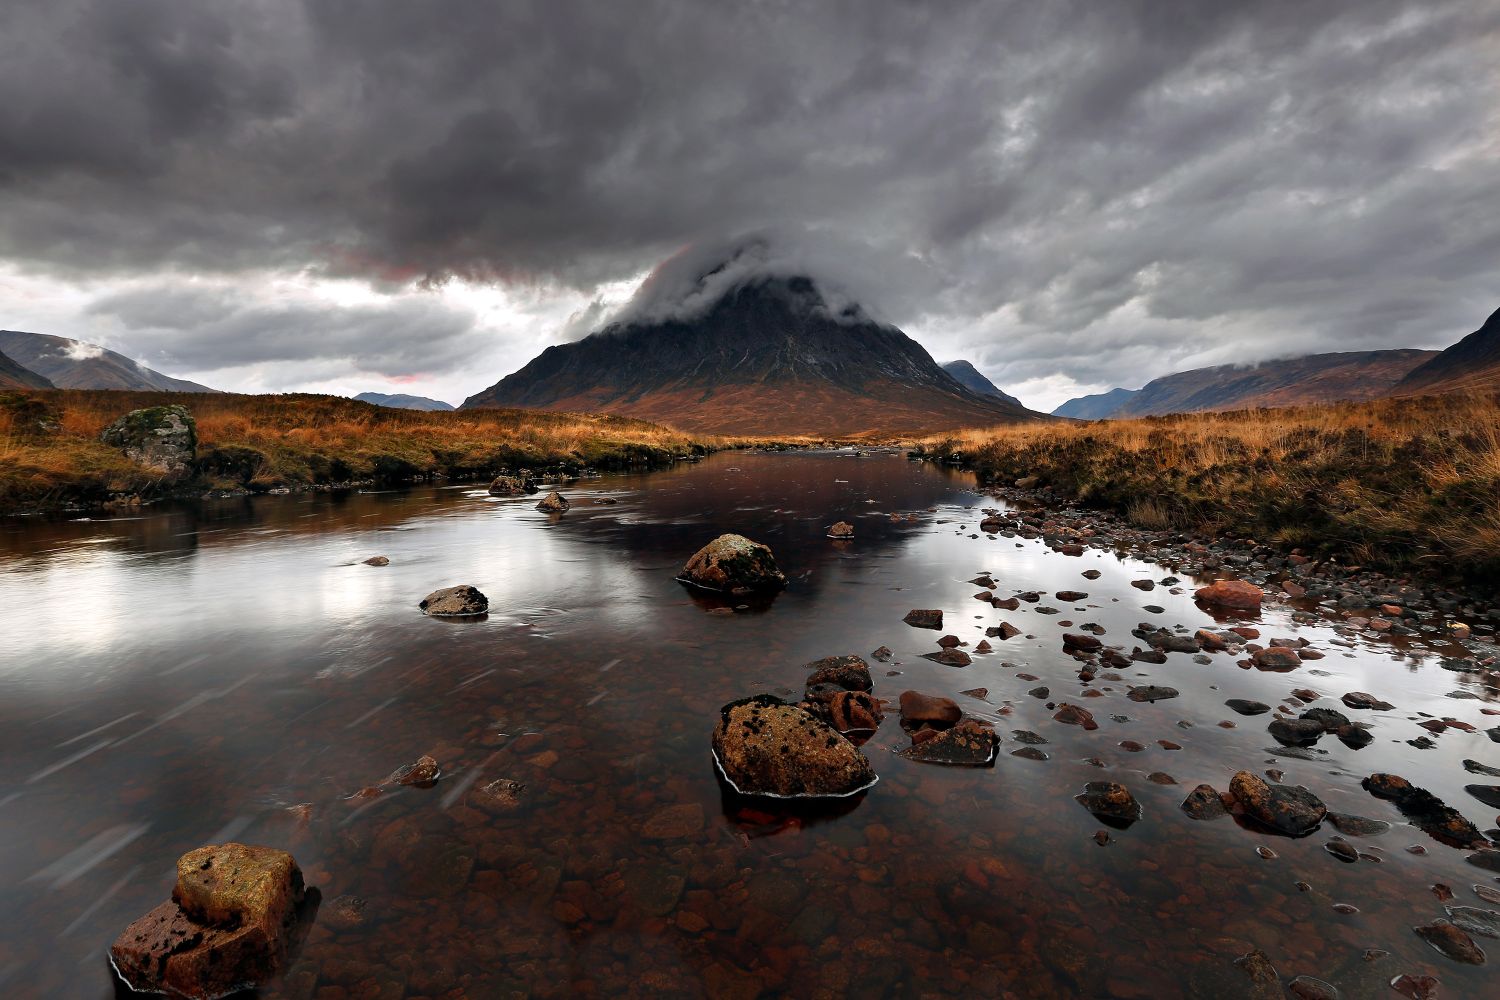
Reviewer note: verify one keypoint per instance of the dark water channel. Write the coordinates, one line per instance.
(192, 675)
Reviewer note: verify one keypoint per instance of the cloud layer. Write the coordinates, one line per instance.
(1069, 194)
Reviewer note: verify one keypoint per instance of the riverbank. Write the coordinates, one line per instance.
(51, 456)
(1403, 485)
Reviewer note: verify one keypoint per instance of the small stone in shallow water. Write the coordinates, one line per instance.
(968, 744)
(949, 658)
(1246, 707)
(1451, 941)
(924, 618)
(1357, 826)
(1289, 810)
(423, 774)
(1110, 802)
(1308, 988)
(1152, 693)
(1072, 715)
(918, 709)
(1030, 753)
(1416, 987)
(1204, 802)
(1475, 920)
(378, 561)
(1343, 850)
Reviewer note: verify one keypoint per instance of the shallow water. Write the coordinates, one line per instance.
(183, 676)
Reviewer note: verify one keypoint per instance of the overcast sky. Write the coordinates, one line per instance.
(415, 196)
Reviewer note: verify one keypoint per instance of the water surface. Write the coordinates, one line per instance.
(190, 675)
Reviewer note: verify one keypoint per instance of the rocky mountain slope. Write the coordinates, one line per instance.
(16, 376)
(972, 378)
(1315, 378)
(1471, 365)
(766, 356)
(73, 364)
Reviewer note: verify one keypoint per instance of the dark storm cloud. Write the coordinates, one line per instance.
(1105, 190)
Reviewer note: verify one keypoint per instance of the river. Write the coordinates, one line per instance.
(232, 670)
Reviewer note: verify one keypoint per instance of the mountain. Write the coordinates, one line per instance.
(970, 377)
(1472, 364)
(15, 376)
(1314, 378)
(1095, 407)
(72, 364)
(401, 401)
(758, 354)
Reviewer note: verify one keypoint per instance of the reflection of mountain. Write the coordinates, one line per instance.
(769, 356)
(72, 364)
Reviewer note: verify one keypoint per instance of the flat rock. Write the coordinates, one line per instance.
(1451, 941)
(968, 744)
(1361, 699)
(924, 618)
(1357, 826)
(918, 709)
(949, 657)
(1236, 594)
(1245, 706)
(1152, 692)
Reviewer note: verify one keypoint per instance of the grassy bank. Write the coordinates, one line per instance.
(50, 453)
(1395, 484)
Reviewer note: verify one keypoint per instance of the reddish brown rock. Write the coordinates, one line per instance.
(854, 711)
(1236, 594)
(1293, 811)
(919, 709)
(841, 530)
(1072, 715)
(968, 744)
(766, 747)
(1277, 658)
(924, 618)
(1084, 643)
(229, 925)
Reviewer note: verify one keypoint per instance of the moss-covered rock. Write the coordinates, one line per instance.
(163, 438)
(734, 563)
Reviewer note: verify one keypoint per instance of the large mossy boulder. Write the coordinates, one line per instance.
(767, 747)
(231, 923)
(735, 564)
(163, 438)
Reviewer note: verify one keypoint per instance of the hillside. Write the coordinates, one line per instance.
(1471, 365)
(15, 376)
(766, 357)
(401, 401)
(73, 364)
(1096, 407)
(973, 379)
(1348, 376)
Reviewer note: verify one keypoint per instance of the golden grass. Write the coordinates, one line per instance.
(1391, 482)
(50, 452)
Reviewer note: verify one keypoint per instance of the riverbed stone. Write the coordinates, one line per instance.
(1291, 810)
(1204, 802)
(229, 924)
(455, 602)
(924, 618)
(1451, 941)
(1236, 594)
(734, 563)
(841, 531)
(511, 486)
(968, 744)
(1110, 801)
(1424, 810)
(767, 747)
(918, 710)
(554, 503)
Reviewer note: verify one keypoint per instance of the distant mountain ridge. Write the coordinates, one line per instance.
(16, 376)
(967, 375)
(1096, 407)
(73, 364)
(1471, 365)
(1314, 378)
(402, 401)
(767, 356)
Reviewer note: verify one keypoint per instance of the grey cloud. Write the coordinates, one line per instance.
(204, 329)
(1101, 190)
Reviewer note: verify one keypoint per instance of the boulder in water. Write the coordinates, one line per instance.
(511, 486)
(553, 503)
(230, 924)
(455, 602)
(766, 747)
(163, 438)
(735, 564)
(843, 531)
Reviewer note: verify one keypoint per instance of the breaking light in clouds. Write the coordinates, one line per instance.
(348, 195)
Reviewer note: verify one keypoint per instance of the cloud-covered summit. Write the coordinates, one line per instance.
(1072, 194)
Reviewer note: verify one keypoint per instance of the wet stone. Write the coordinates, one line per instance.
(455, 602)
(1451, 941)
(919, 618)
(1152, 693)
(1359, 699)
(1030, 753)
(1246, 707)
(1424, 810)
(1488, 794)
(1357, 826)
(1308, 988)
(1287, 809)
(1204, 802)
(1110, 802)
(1343, 850)
(967, 744)
(949, 658)
(1476, 920)
(1072, 715)
(766, 747)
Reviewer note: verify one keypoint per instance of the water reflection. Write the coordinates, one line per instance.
(189, 675)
